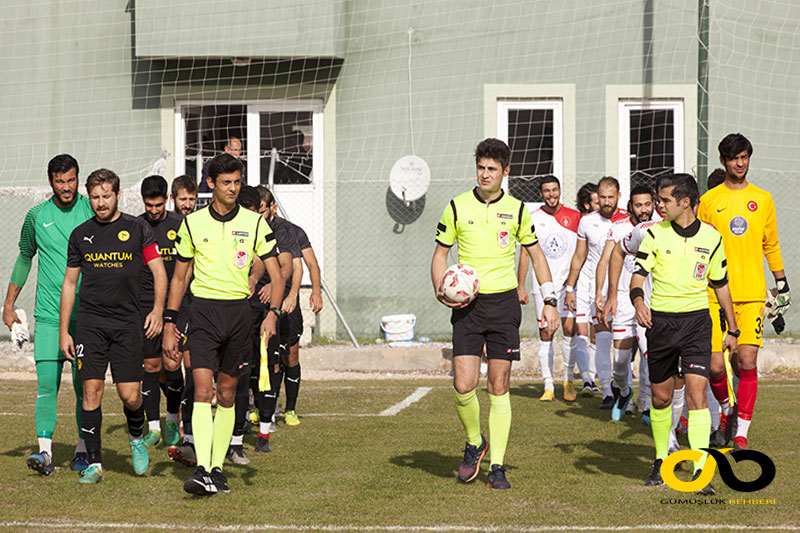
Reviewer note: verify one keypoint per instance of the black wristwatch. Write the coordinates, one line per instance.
(551, 301)
(276, 311)
(735, 334)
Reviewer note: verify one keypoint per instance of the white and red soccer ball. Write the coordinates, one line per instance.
(460, 283)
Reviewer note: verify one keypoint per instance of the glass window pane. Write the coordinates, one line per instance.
(291, 134)
(530, 137)
(652, 145)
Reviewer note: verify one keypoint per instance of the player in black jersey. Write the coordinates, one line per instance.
(109, 251)
(164, 225)
(184, 197)
(291, 328)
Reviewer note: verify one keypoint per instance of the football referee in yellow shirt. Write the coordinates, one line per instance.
(487, 223)
(224, 240)
(684, 256)
(745, 217)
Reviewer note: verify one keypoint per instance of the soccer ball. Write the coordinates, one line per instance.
(460, 283)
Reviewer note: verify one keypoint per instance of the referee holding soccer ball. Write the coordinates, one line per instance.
(486, 222)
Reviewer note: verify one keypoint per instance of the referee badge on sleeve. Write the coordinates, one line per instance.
(241, 258)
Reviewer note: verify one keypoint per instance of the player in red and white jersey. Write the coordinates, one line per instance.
(640, 209)
(556, 226)
(592, 233)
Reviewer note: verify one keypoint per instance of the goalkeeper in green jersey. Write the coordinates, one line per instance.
(46, 229)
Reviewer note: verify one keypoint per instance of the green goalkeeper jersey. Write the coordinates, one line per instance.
(46, 230)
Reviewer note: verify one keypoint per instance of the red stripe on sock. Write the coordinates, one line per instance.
(719, 387)
(748, 390)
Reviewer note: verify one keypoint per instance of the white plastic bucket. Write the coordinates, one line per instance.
(398, 328)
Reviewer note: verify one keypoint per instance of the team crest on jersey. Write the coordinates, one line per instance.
(738, 226)
(240, 259)
(123, 235)
(554, 247)
(171, 235)
(630, 263)
(565, 222)
(503, 238)
(700, 270)
(752, 206)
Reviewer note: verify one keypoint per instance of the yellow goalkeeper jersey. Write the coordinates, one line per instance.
(746, 220)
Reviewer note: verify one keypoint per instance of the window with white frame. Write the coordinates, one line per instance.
(651, 141)
(532, 128)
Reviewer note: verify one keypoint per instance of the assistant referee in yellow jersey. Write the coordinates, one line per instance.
(745, 217)
(684, 256)
(487, 223)
(224, 240)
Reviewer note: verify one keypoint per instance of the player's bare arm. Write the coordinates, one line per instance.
(68, 288)
(522, 273)
(296, 275)
(9, 314)
(256, 272)
(542, 271)
(177, 288)
(315, 274)
(153, 322)
(438, 266)
(614, 271)
(600, 278)
(643, 316)
(723, 294)
(578, 259)
(268, 326)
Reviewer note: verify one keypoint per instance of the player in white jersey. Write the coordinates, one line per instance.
(640, 209)
(556, 226)
(592, 233)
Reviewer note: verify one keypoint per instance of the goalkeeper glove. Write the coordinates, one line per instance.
(784, 298)
(774, 311)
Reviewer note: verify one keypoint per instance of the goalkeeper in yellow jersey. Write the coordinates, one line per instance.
(745, 217)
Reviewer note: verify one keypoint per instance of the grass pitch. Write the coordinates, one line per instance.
(346, 468)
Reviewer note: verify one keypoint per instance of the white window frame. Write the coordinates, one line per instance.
(556, 105)
(625, 106)
(253, 109)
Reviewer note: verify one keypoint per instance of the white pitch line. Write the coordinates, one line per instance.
(488, 529)
(415, 396)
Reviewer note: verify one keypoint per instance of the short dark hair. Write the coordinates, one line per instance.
(684, 186)
(154, 187)
(715, 178)
(585, 197)
(732, 145)
(100, 176)
(548, 179)
(643, 189)
(224, 164)
(60, 164)
(492, 148)
(608, 180)
(187, 183)
(266, 194)
(249, 198)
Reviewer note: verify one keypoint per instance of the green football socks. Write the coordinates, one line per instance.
(660, 422)
(699, 431)
(203, 432)
(499, 427)
(469, 412)
(223, 429)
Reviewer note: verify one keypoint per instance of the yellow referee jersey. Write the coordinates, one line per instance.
(487, 236)
(747, 222)
(683, 262)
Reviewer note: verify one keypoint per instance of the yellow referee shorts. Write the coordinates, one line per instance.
(749, 319)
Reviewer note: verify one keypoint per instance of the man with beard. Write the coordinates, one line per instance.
(164, 225)
(109, 251)
(592, 232)
(46, 231)
(641, 206)
(556, 227)
(184, 194)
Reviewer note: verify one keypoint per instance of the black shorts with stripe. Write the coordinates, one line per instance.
(679, 343)
(491, 321)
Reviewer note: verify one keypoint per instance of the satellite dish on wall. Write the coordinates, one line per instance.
(410, 178)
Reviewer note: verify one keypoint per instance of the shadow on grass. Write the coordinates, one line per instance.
(612, 457)
(429, 461)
